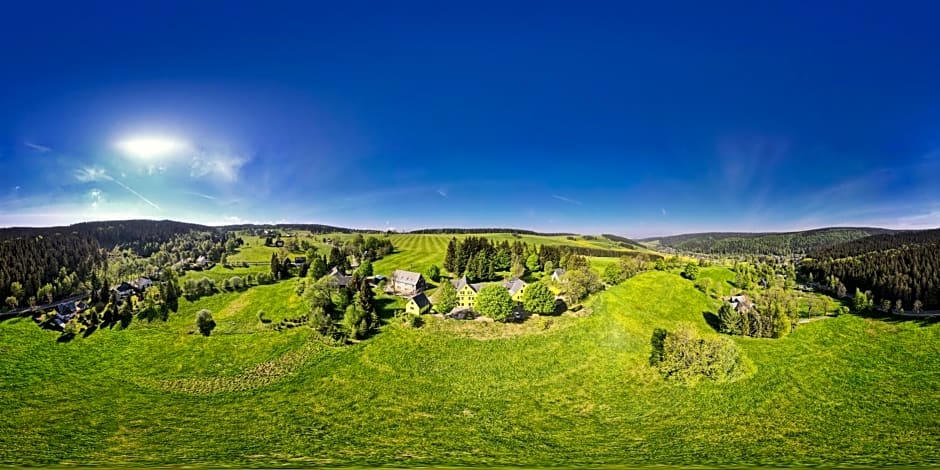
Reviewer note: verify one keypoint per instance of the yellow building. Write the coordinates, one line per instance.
(418, 304)
(467, 293)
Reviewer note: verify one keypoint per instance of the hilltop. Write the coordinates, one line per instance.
(762, 243)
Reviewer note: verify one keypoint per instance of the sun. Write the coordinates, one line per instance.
(149, 147)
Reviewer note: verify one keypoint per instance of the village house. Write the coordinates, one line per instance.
(124, 291)
(418, 304)
(406, 282)
(558, 275)
(300, 260)
(467, 292)
(741, 303)
(339, 278)
(141, 284)
(516, 288)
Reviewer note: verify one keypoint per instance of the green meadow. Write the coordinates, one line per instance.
(566, 390)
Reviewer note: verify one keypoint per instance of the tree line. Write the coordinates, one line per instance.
(896, 267)
(776, 244)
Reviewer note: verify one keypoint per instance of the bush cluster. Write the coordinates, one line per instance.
(685, 356)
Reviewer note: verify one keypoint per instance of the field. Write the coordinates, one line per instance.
(554, 391)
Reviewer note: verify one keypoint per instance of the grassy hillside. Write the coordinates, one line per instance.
(782, 244)
(572, 390)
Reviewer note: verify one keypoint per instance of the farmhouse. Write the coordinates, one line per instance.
(516, 288)
(558, 275)
(467, 292)
(141, 284)
(124, 291)
(338, 278)
(741, 303)
(418, 304)
(406, 282)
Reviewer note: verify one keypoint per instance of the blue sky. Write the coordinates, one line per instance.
(572, 116)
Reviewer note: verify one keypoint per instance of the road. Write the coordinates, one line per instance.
(20, 311)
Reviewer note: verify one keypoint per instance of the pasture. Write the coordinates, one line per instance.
(558, 391)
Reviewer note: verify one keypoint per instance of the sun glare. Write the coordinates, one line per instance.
(150, 147)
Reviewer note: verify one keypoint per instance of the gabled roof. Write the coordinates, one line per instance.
(459, 283)
(124, 287)
(558, 272)
(341, 278)
(514, 285)
(406, 277)
(421, 300)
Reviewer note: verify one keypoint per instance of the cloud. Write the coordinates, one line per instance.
(442, 192)
(222, 167)
(96, 197)
(37, 147)
(87, 175)
(16, 188)
(565, 199)
(204, 196)
(664, 210)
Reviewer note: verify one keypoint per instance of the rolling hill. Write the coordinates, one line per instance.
(779, 244)
(569, 390)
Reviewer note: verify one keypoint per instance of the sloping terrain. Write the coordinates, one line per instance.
(578, 391)
(781, 244)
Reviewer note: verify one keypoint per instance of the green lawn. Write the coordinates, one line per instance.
(557, 391)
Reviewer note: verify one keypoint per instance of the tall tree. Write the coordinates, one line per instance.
(445, 298)
(275, 265)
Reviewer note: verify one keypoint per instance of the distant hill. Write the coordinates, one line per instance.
(488, 230)
(312, 228)
(623, 241)
(893, 266)
(128, 233)
(775, 243)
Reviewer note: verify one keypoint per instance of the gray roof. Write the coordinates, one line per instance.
(421, 300)
(514, 285)
(341, 278)
(406, 277)
(559, 272)
(459, 283)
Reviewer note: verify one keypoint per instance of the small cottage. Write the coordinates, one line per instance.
(418, 304)
(558, 275)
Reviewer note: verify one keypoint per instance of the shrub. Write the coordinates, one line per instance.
(690, 272)
(685, 356)
(537, 298)
(434, 273)
(204, 322)
(494, 301)
(237, 283)
(262, 318)
(265, 278)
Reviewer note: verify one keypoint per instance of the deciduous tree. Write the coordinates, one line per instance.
(494, 301)
(538, 298)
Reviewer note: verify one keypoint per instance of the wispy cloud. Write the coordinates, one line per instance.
(204, 196)
(37, 147)
(566, 199)
(442, 192)
(87, 175)
(225, 168)
(664, 210)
